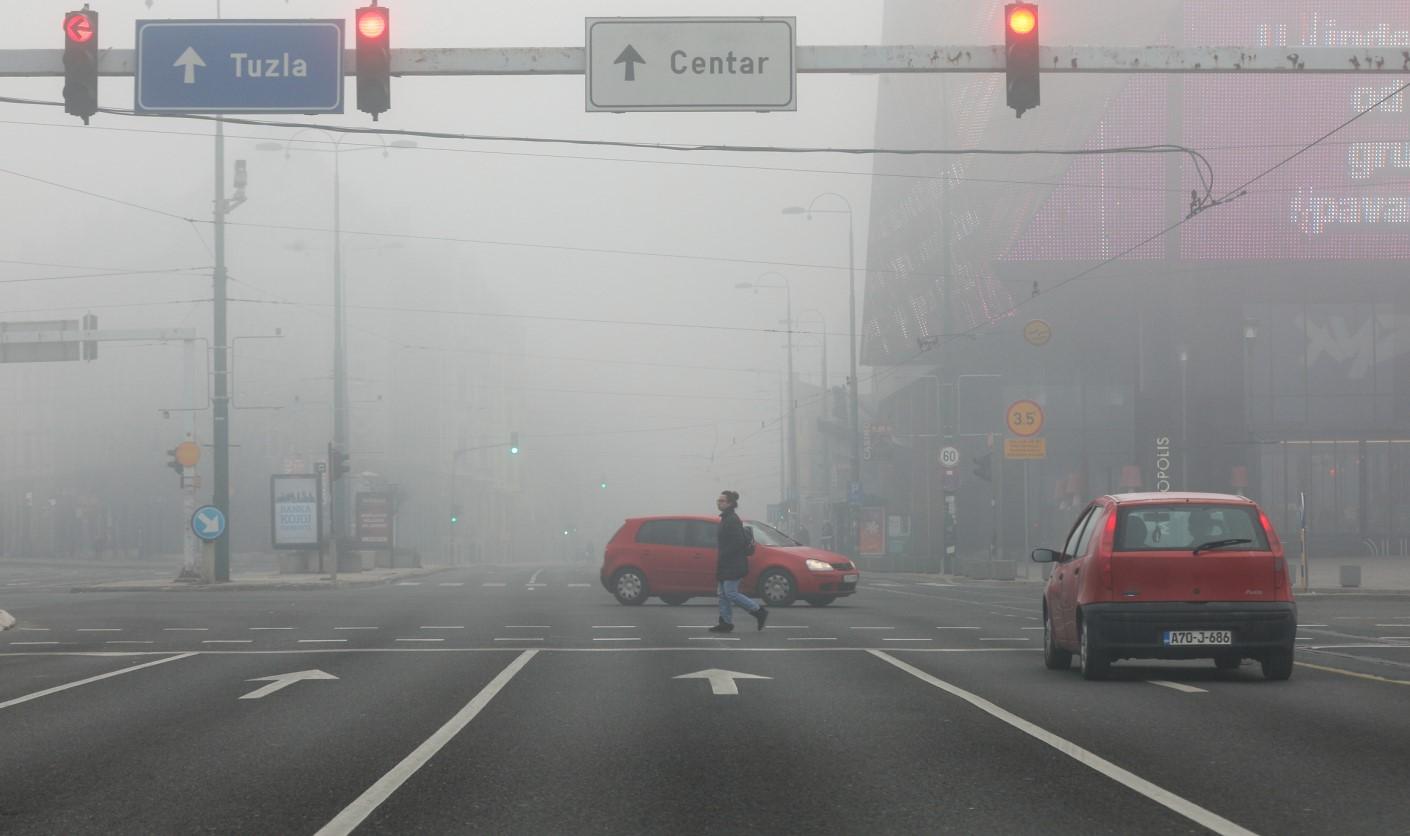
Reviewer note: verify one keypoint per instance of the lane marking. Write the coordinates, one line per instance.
(519, 639)
(1394, 638)
(528, 627)
(34, 629)
(408, 583)
(1188, 809)
(1356, 646)
(1323, 625)
(812, 638)
(1378, 625)
(580, 585)
(1030, 628)
(451, 583)
(619, 639)
(908, 640)
(228, 641)
(707, 639)
(789, 627)
(127, 641)
(357, 628)
(616, 626)
(1177, 686)
(535, 585)
(958, 628)
(271, 628)
(420, 640)
(439, 627)
(1014, 639)
(933, 583)
(17, 644)
(100, 630)
(871, 628)
(492, 583)
(57, 688)
(186, 629)
(323, 641)
(362, 807)
(534, 579)
(1344, 672)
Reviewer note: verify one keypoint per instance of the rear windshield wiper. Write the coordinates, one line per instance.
(1215, 544)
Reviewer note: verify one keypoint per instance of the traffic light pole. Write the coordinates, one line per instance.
(221, 359)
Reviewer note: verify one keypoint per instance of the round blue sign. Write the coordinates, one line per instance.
(208, 522)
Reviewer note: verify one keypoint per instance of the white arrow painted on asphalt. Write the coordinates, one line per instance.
(722, 682)
(190, 60)
(283, 680)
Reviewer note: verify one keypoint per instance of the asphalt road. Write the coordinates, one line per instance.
(526, 700)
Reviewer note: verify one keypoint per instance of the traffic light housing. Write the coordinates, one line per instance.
(176, 465)
(81, 63)
(513, 444)
(454, 514)
(1021, 56)
(373, 30)
(984, 467)
(90, 347)
(337, 463)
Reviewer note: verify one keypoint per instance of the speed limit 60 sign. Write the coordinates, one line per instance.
(1025, 418)
(949, 456)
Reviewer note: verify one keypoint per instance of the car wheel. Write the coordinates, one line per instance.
(1278, 665)
(629, 585)
(821, 600)
(1094, 662)
(1227, 663)
(777, 588)
(675, 600)
(1054, 657)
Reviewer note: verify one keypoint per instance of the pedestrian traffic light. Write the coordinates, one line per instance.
(984, 467)
(337, 463)
(513, 444)
(176, 465)
(1021, 55)
(81, 63)
(90, 347)
(374, 60)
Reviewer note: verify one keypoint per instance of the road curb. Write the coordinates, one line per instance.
(344, 582)
(6, 620)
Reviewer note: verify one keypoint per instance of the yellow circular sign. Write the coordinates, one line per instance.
(1037, 332)
(188, 453)
(1025, 418)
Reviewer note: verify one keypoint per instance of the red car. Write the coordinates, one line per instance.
(673, 558)
(1169, 576)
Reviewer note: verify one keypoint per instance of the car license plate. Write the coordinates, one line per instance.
(1181, 638)
(849, 578)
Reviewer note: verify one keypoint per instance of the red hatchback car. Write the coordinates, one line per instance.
(1169, 576)
(673, 558)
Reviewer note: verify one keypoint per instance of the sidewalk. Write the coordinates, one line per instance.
(246, 581)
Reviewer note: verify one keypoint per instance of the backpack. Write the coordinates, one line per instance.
(748, 541)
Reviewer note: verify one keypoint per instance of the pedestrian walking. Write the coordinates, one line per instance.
(733, 564)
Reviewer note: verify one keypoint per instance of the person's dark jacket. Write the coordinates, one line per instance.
(733, 563)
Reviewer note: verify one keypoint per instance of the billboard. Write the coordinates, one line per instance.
(374, 520)
(296, 510)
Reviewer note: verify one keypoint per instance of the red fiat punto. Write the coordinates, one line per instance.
(673, 558)
(1169, 576)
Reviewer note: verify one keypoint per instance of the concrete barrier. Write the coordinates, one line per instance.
(1350, 575)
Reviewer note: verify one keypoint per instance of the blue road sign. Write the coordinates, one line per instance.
(208, 522)
(854, 493)
(239, 66)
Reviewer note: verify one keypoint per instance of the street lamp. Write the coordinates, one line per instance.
(340, 347)
(790, 491)
(855, 408)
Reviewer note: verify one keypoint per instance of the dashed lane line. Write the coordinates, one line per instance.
(451, 583)
(357, 628)
(812, 638)
(358, 811)
(99, 630)
(408, 583)
(908, 640)
(956, 628)
(128, 641)
(1190, 810)
(1355, 674)
(528, 627)
(1005, 639)
(1177, 686)
(228, 641)
(614, 627)
(713, 638)
(618, 639)
(271, 628)
(443, 627)
(579, 585)
(186, 629)
(420, 640)
(518, 638)
(871, 628)
(31, 644)
(57, 688)
(494, 584)
(323, 641)
(34, 629)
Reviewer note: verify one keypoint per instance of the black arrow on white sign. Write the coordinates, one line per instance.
(631, 58)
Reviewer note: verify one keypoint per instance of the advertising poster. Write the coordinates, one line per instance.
(374, 520)
(296, 510)
(872, 537)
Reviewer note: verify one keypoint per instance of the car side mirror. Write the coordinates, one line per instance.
(1045, 556)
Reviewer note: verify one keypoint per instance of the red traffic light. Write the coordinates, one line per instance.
(1023, 20)
(78, 28)
(371, 22)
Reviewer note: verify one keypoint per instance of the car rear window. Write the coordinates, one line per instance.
(1185, 526)
(662, 532)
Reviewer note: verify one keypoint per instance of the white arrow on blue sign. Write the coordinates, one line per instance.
(208, 522)
(239, 66)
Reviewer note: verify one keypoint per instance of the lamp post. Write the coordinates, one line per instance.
(852, 382)
(340, 346)
(790, 490)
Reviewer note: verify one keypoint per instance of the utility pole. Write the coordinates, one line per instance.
(221, 360)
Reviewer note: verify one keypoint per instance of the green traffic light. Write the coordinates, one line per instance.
(604, 485)
(513, 451)
(454, 520)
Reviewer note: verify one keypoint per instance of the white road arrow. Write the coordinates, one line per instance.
(283, 680)
(721, 682)
(209, 524)
(189, 59)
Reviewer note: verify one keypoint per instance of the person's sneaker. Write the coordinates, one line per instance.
(722, 627)
(761, 615)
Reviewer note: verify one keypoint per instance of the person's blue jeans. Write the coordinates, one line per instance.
(729, 593)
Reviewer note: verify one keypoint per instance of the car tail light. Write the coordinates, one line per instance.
(1104, 550)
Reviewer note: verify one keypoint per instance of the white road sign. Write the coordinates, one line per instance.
(691, 64)
(949, 456)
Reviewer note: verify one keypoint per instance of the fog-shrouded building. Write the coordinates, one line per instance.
(1256, 346)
